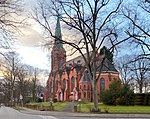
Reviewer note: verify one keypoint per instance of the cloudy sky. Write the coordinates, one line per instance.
(27, 44)
(30, 38)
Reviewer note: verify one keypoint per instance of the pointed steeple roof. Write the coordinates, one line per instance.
(58, 35)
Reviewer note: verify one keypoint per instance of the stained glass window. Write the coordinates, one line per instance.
(102, 84)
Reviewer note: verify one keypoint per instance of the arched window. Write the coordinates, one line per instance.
(102, 84)
(84, 87)
(72, 83)
(64, 84)
(88, 95)
(57, 83)
(84, 94)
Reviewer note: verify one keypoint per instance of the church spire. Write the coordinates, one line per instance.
(58, 54)
(58, 35)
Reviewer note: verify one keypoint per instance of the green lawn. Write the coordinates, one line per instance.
(85, 107)
(116, 109)
(57, 106)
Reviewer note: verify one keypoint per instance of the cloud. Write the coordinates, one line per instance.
(30, 37)
(27, 44)
(33, 56)
(29, 34)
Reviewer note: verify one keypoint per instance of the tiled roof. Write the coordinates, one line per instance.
(107, 65)
(78, 59)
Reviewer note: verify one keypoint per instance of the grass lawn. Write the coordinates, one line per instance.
(116, 109)
(57, 106)
(85, 107)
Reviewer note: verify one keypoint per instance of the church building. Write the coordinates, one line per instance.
(69, 80)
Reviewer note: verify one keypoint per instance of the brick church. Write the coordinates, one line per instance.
(69, 80)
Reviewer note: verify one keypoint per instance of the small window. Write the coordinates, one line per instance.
(57, 84)
(64, 84)
(88, 94)
(72, 83)
(84, 94)
(78, 61)
(84, 87)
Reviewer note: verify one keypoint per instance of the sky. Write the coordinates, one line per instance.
(33, 56)
(28, 40)
(27, 44)
(30, 51)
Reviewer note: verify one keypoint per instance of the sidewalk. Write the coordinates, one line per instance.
(71, 114)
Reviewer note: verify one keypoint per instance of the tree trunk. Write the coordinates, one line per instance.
(12, 97)
(140, 89)
(95, 98)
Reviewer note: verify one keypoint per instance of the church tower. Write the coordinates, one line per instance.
(58, 54)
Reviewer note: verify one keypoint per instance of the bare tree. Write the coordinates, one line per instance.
(22, 84)
(9, 22)
(34, 80)
(92, 20)
(19, 81)
(33, 74)
(11, 71)
(138, 16)
(141, 70)
(124, 68)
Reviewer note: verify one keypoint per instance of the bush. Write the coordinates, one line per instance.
(127, 96)
(110, 97)
(107, 98)
(117, 95)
